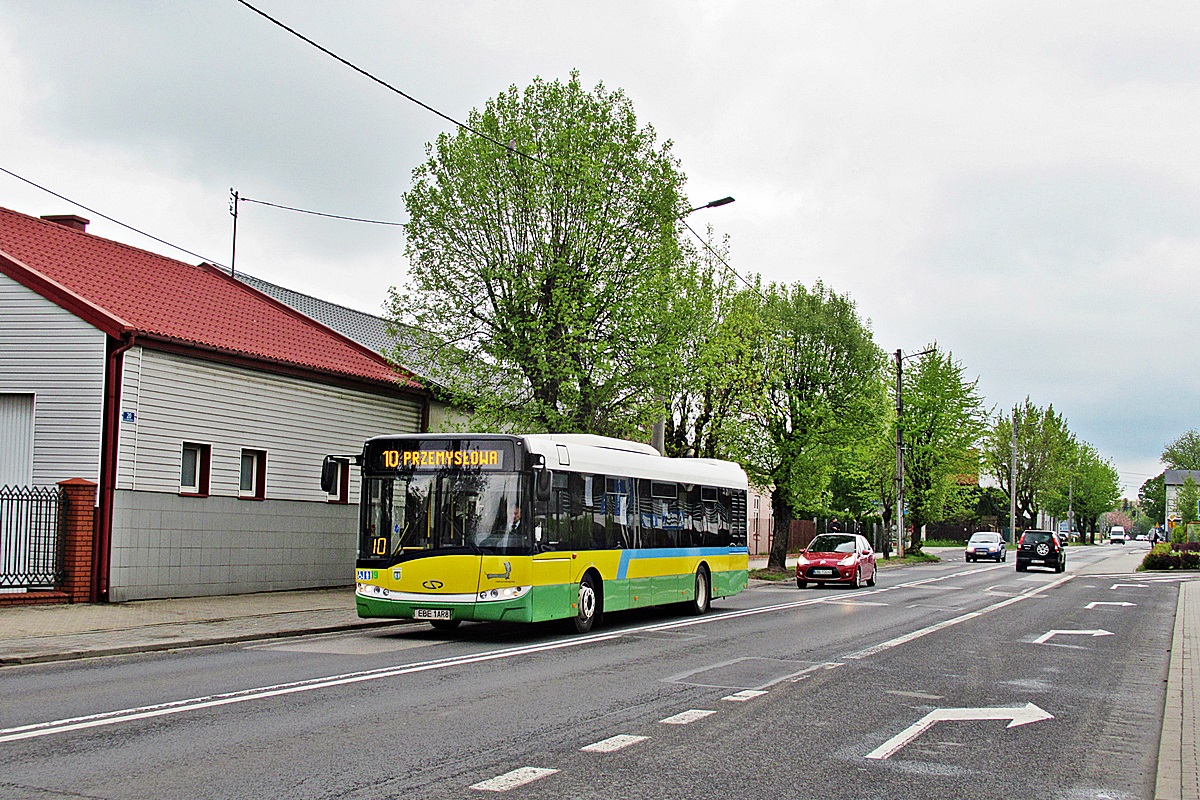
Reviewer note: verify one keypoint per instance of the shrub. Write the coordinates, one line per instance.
(1170, 555)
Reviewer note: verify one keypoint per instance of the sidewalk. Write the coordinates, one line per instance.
(30, 634)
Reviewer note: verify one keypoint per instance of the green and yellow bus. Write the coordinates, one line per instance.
(538, 527)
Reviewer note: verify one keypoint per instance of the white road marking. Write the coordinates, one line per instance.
(1129, 586)
(511, 780)
(1019, 715)
(1121, 604)
(743, 696)
(908, 637)
(613, 743)
(854, 603)
(687, 717)
(1045, 637)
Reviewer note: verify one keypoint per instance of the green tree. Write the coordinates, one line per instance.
(721, 377)
(1097, 487)
(943, 422)
(1152, 498)
(822, 376)
(1184, 452)
(1044, 448)
(557, 279)
(1185, 501)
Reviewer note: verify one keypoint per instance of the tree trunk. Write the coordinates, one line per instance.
(781, 533)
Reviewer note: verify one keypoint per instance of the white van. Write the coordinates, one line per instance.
(1117, 534)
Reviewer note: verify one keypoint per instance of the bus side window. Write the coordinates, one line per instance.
(619, 512)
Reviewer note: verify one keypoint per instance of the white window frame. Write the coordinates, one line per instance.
(200, 488)
(258, 478)
(341, 491)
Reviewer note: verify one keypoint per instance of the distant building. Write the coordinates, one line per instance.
(1173, 479)
(201, 406)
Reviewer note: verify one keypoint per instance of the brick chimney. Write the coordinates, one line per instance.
(71, 221)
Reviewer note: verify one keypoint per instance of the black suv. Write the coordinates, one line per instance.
(1041, 549)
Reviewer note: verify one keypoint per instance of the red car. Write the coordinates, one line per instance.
(837, 558)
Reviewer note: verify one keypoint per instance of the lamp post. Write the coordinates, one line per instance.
(900, 359)
(658, 434)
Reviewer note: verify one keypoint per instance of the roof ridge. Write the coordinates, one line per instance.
(58, 228)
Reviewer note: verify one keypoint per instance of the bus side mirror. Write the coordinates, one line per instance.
(329, 474)
(542, 482)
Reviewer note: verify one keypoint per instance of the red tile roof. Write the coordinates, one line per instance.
(123, 290)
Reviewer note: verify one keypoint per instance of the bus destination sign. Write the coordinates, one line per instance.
(458, 455)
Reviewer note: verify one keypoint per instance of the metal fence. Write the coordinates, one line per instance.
(31, 541)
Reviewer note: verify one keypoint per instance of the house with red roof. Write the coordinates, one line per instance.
(201, 407)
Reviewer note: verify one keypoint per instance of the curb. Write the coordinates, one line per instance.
(100, 652)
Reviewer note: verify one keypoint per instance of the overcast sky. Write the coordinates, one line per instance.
(1018, 181)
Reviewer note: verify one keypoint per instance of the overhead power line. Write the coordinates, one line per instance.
(369, 76)
(509, 146)
(318, 213)
(111, 219)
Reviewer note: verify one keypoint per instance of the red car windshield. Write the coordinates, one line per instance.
(832, 543)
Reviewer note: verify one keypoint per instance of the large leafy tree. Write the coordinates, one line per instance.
(550, 264)
(721, 377)
(1086, 485)
(1152, 499)
(1044, 448)
(1184, 452)
(943, 421)
(822, 372)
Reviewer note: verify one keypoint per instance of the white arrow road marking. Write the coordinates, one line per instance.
(1122, 604)
(1045, 637)
(613, 743)
(1019, 715)
(1129, 586)
(511, 780)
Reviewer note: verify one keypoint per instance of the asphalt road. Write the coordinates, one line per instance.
(783, 693)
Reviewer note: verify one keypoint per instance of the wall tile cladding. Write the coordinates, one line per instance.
(211, 546)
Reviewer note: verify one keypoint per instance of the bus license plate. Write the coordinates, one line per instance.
(431, 613)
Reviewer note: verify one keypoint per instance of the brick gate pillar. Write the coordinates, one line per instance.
(78, 533)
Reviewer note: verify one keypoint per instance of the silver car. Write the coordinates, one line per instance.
(986, 544)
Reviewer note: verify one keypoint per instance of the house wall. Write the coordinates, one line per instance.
(50, 353)
(165, 544)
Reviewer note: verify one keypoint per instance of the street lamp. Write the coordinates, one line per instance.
(658, 434)
(900, 359)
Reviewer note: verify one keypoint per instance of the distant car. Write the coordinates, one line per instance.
(1141, 537)
(986, 544)
(1116, 534)
(1041, 549)
(837, 558)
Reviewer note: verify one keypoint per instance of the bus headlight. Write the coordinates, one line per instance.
(506, 593)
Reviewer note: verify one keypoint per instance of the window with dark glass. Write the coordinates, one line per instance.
(252, 484)
(194, 469)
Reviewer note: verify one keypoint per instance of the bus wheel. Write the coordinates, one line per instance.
(586, 617)
(703, 598)
(445, 624)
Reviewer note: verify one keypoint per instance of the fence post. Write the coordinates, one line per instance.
(77, 531)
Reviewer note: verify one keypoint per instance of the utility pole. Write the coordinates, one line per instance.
(900, 453)
(1070, 505)
(1012, 482)
(233, 211)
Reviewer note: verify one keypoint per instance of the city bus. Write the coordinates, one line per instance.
(538, 527)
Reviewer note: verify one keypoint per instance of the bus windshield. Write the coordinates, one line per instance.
(447, 510)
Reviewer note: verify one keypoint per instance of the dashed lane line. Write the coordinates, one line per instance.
(613, 743)
(511, 780)
(687, 717)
